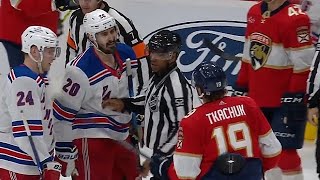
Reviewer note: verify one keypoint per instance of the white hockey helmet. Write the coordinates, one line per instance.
(40, 37)
(97, 21)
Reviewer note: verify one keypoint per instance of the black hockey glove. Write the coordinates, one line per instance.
(64, 5)
(159, 166)
(289, 120)
(239, 91)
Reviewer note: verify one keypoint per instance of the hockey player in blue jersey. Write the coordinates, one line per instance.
(83, 127)
(26, 140)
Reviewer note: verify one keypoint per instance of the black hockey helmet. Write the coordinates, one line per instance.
(165, 41)
(209, 77)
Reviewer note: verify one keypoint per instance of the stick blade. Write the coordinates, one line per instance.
(214, 48)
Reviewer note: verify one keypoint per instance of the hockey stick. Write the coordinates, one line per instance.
(131, 148)
(127, 145)
(33, 147)
(66, 16)
(219, 52)
(131, 92)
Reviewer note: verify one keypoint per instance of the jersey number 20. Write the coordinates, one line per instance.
(71, 88)
(223, 138)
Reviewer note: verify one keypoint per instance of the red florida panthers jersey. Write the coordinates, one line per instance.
(17, 15)
(232, 124)
(277, 53)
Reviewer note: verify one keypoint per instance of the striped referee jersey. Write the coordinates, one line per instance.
(313, 83)
(168, 99)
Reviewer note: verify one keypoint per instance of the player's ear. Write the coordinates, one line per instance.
(34, 50)
(90, 37)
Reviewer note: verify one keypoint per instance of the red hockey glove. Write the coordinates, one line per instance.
(52, 171)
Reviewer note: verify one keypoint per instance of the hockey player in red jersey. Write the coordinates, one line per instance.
(277, 56)
(225, 138)
(15, 17)
(82, 125)
(26, 140)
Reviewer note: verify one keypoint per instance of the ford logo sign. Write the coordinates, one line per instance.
(226, 35)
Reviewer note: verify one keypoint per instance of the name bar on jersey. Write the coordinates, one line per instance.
(226, 113)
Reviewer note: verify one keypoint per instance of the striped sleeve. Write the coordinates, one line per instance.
(189, 151)
(128, 33)
(179, 100)
(130, 36)
(300, 50)
(68, 102)
(24, 103)
(72, 46)
(314, 79)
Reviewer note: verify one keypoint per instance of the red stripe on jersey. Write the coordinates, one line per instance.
(62, 112)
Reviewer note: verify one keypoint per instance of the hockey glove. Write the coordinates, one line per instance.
(66, 154)
(240, 91)
(52, 171)
(64, 5)
(159, 166)
(289, 120)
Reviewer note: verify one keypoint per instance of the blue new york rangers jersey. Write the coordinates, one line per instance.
(23, 97)
(87, 82)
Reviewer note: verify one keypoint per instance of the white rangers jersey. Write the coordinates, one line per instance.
(312, 7)
(87, 82)
(77, 41)
(23, 97)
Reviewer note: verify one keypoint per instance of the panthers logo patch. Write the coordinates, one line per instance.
(260, 48)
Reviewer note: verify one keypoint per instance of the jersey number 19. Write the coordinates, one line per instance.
(229, 137)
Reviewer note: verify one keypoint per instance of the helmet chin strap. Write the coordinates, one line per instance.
(39, 63)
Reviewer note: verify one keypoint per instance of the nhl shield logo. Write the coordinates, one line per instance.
(154, 103)
(260, 48)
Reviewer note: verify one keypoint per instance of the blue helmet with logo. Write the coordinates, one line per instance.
(209, 77)
(164, 41)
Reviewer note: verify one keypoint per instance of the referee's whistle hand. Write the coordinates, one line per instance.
(113, 104)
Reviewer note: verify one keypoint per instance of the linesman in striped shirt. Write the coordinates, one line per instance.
(77, 40)
(168, 98)
(313, 7)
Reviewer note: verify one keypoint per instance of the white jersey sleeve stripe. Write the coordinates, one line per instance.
(187, 167)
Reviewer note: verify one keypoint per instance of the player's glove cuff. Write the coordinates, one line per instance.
(66, 154)
(52, 171)
(239, 91)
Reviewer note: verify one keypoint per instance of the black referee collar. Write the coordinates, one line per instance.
(162, 74)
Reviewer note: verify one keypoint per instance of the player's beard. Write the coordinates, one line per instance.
(108, 48)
